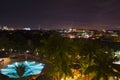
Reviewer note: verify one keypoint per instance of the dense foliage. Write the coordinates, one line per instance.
(62, 55)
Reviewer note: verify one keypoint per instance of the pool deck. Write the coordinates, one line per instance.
(8, 60)
(5, 62)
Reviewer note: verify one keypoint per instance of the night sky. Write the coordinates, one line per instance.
(59, 12)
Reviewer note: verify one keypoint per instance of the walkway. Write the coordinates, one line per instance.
(5, 62)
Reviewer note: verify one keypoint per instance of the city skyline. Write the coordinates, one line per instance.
(31, 13)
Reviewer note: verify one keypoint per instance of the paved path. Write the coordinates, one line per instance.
(5, 62)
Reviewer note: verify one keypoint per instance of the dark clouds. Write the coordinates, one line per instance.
(22, 12)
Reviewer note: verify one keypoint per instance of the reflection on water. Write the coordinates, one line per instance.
(31, 68)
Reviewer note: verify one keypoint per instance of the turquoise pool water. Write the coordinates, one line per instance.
(31, 68)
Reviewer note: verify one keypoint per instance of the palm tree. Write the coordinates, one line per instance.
(19, 41)
(20, 69)
(86, 50)
(4, 42)
(103, 66)
(59, 54)
(84, 63)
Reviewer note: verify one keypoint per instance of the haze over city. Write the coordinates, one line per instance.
(88, 14)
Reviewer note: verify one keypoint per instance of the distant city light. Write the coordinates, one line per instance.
(27, 28)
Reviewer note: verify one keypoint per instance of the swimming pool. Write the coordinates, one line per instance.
(31, 68)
